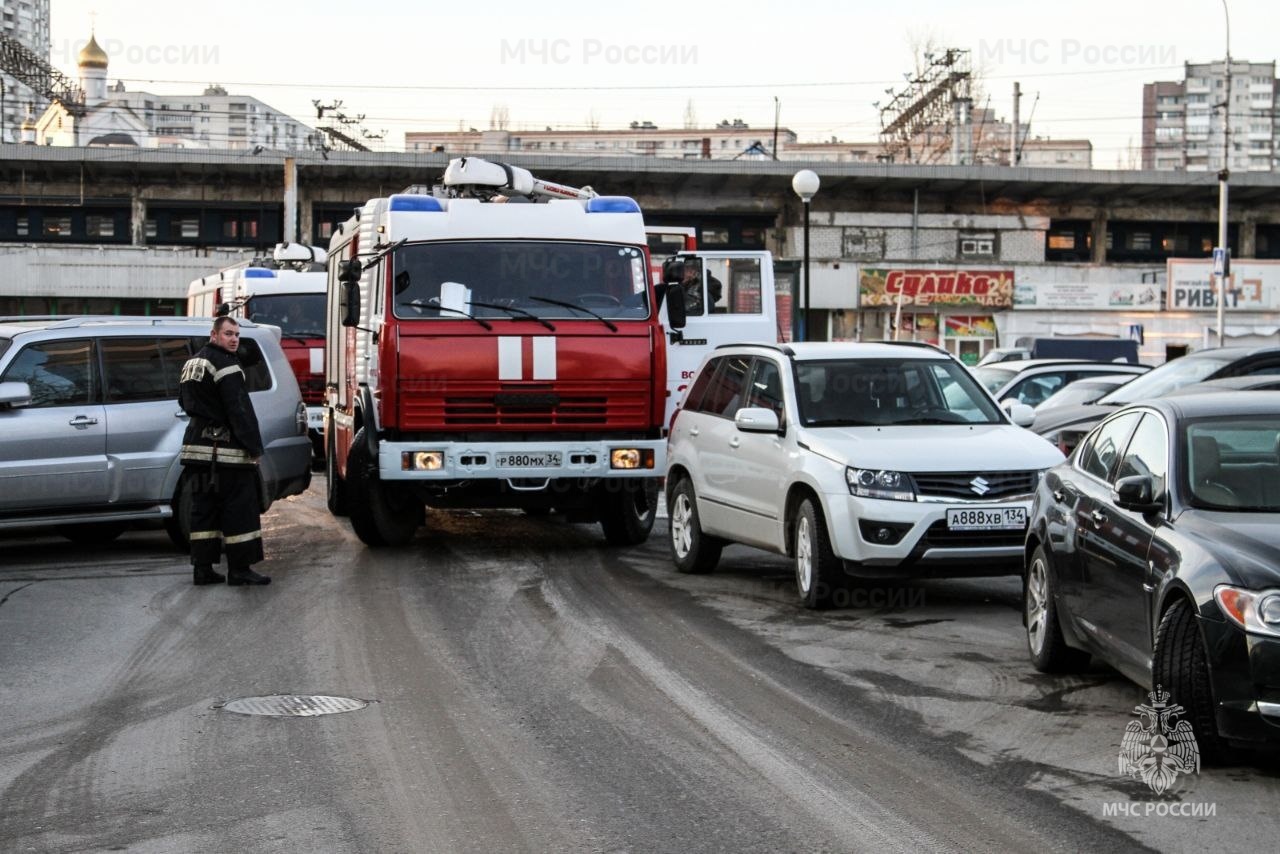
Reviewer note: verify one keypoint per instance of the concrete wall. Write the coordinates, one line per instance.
(137, 272)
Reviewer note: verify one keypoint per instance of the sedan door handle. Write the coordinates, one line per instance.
(693, 431)
(1098, 517)
(735, 442)
(82, 421)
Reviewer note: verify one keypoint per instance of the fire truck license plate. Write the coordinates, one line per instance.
(987, 519)
(544, 459)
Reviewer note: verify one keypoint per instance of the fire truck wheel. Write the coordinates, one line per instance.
(335, 486)
(628, 512)
(381, 514)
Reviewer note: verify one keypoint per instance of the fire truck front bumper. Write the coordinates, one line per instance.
(523, 461)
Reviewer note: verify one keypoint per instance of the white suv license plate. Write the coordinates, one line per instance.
(543, 459)
(987, 519)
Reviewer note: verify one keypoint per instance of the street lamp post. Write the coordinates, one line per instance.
(1224, 175)
(805, 183)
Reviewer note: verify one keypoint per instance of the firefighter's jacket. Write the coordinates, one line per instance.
(223, 428)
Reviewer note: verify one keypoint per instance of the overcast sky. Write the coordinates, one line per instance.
(426, 65)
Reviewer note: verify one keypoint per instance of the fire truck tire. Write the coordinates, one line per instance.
(381, 514)
(335, 486)
(628, 512)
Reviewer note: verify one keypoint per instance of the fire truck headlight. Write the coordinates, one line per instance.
(422, 461)
(630, 458)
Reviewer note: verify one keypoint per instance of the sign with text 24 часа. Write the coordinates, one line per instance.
(887, 286)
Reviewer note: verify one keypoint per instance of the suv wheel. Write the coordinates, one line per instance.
(178, 525)
(381, 514)
(691, 550)
(819, 573)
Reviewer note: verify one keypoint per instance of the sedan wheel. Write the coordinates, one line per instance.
(1048, 648)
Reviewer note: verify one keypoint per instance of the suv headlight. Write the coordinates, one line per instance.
(880, 483)
(1255, 611)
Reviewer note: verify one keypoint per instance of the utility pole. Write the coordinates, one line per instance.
(777, 111)
(1013, 138)
(1224, 176)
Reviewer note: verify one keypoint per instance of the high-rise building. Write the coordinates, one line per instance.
(28, 22)
(1182, 121)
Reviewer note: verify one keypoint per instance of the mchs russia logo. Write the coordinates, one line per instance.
(1158, 746)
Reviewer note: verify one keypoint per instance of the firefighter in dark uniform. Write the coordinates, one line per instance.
(220, 452)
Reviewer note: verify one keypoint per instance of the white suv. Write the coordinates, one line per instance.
(858, 460)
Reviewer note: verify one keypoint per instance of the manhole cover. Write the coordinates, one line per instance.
(293, 705)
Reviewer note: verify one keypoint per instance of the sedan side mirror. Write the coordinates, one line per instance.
(1135, 493)
(756, 419)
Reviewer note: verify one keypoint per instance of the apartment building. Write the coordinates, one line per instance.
(1183, 121)
(27, 21)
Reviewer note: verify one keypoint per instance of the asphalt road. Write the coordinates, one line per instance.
(531, 689)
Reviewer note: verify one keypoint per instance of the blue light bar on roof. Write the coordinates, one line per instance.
(612, 204)
(259, 273)
(404, 202)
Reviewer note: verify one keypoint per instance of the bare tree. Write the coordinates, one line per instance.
(593, 119)
(499, 117)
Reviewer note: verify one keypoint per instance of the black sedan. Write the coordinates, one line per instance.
(1156, 548)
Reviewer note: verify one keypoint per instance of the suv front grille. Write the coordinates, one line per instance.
(976, 486)
(940, 538)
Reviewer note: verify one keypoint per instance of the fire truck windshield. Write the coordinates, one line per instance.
(297, 315)
(490, 278)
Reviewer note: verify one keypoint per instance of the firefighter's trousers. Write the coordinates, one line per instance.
(224, 515)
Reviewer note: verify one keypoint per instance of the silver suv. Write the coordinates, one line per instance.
(90, 427)
(872, 460)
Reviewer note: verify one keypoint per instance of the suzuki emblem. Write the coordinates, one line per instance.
(979, 486)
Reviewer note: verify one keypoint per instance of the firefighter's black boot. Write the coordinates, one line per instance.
(204, 573)
(238, 575)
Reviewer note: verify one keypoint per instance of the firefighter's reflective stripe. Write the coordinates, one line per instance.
(200, 453)
(242, 538)
(206, 535)
(195, 369)
(218, 376)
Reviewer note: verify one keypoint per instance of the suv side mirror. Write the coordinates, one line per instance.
(756, 419)
(677, 313)
(1134, 493)
(14, 394)
(350, 303)
(1021, 414)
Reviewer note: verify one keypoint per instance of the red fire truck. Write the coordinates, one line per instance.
(495, 344)
(287, 290)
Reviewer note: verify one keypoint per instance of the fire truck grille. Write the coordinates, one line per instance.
(529, 408)
(312, 390)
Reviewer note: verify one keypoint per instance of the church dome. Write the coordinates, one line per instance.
(92, 56)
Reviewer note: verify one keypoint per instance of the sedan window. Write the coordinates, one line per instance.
(1103, 448)
(1233, 464)
(1147, 454)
